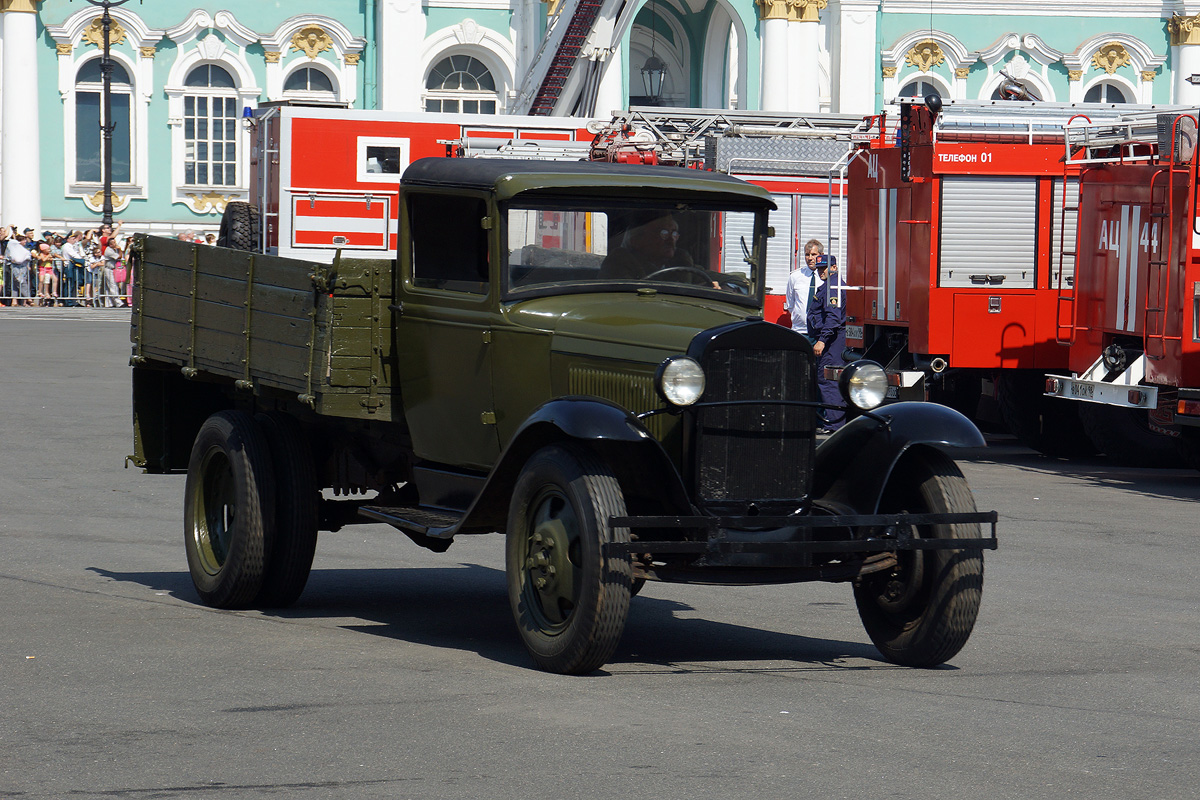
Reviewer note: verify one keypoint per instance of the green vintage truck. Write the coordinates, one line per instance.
(572, 355)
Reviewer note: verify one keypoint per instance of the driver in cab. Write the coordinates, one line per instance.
(649, 249)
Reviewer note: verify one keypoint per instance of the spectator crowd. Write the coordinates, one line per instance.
(75, 268)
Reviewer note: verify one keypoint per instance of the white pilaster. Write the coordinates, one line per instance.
(610, 96)
(400, 32)
(856, 73)
(805, 78)
(21, 192)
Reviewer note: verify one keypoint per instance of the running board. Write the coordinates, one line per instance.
(1124, 390)
(417, 521)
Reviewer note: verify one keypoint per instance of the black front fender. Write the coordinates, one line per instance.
(853, 466)
(617, 437)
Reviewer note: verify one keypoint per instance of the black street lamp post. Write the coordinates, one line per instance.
(106, 123)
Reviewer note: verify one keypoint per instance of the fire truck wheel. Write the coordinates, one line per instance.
(228, 499)
(921, 613)
(239, 227)
(291, 556)
(569, 598)
(1046, 424)
(1125, 437)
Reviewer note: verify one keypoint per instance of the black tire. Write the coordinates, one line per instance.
(1125, 437)
(296, 496)
(228, 524)
(1046, 424)
(570, 601)
(921, 613)
(239, 227)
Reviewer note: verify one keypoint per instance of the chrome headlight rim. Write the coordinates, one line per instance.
(864, 385)
(680, 381)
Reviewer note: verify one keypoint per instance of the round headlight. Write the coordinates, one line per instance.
(864, 384)
(680, 380)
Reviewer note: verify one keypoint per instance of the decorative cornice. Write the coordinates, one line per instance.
(94, 34)
(962, 72)
(772, 9)
(96, 201)
(64, 48)
(312, 39)
(890, 72)
(1074, 75)
(1184, 30)
(1110, 57)
(272, 56)
(1148, 75)
(352, 59)
(806, 10)
(925, 55)
(210, 202)
(148, 52)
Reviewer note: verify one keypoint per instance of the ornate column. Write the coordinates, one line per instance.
(773, 81)
(804, 87)
(1185, 55)
(20, 160)
(400, 39)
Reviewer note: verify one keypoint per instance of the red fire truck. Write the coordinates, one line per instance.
(1132, 324)
(325, 178)
(961, 241)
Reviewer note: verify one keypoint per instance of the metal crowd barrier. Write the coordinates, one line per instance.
(90, 293)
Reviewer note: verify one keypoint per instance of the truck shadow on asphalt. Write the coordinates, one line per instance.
(465, 607)
(1175, 483)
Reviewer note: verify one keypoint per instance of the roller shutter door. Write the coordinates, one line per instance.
(988, 232)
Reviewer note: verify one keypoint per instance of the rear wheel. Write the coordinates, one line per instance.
(228, 502)
(921, 613)
(570, 600)
(239, 227)
(1125, 436)
(286, 570)
(1046, 424)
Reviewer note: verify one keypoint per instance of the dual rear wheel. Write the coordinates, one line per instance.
(250, 511)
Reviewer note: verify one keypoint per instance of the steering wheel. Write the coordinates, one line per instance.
(696, 272)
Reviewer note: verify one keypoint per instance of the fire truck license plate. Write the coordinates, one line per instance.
(1084, 390)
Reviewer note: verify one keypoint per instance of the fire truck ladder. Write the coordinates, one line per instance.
(1159, 275)
(681, 132)
(1065, 286)
(581, 28)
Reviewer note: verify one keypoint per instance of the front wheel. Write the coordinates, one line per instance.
(229, 499)
(570, 600)
(921, 613)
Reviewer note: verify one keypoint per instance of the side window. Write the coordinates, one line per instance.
(450, 247)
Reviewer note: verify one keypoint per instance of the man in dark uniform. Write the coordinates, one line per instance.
(827, 329)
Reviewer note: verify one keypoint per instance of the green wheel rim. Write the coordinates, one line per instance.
(215, 506)
(553, 555)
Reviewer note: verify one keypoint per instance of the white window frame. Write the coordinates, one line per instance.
(137, 131)
(364, 142)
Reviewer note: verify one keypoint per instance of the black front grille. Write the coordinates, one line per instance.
(761, 451)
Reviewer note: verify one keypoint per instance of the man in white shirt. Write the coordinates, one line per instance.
(74, 261)
(802, 285)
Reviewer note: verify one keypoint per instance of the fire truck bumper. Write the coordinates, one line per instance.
(1125, 389)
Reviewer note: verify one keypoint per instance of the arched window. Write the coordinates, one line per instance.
(1105, 93)
(89, 85)
(308, 79)
(210, 124)
(460, 84)
(919, 88)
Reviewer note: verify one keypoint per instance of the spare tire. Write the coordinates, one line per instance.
(239, 227)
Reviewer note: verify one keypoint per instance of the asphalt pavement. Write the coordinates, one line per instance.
(399, 673)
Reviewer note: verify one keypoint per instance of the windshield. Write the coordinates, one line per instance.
(597, 247)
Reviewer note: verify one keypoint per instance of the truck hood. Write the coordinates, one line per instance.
(625, 325)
